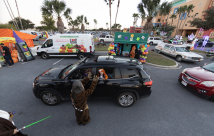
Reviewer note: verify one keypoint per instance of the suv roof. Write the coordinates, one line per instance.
(110, 60)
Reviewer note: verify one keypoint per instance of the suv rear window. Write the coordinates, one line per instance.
(157, 39)
(129, 73)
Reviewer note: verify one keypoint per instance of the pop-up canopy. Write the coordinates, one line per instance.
(131, 38)
(28, 38)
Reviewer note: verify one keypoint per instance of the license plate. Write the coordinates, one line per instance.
(184, 83)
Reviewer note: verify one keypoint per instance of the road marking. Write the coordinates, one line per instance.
(24, 62)
(58, 61)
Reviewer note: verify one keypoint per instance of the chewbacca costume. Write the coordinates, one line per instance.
(7, 126)
(79, 98)
(132, 53)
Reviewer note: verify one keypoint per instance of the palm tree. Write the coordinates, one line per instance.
(149, 8)
(76, 24)
(180, 10)
(165, 9)
(50, 7)
(95, 23)
(136, 16)
(71, 23)
(189, 9)
(107, 25)
(87, 24)
(173, 16)
(80, 19)
(142, 16)
(109, 2)
(117, 12)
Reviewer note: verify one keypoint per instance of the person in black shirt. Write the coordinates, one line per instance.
(7, 56)
(136, 53)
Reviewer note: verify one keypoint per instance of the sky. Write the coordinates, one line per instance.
(92, 9)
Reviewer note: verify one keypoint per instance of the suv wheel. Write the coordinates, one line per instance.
(45, 56)
(151, 43)
(50, 98)
(126, 99)
(179, 58)
(102, 41)
(81, 56)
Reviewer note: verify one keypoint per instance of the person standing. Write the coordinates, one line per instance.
(136, 53)
(7, 56)
(7, 126)
(79, 98)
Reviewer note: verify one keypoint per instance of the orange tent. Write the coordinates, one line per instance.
(28, 38)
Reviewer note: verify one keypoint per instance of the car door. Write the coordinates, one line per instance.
(48, 46)
(107, 38)
(78, 74)
(166, 49)
(111, 38)
(130, 78)
(172, 51)
(156, 40)
(110, 86)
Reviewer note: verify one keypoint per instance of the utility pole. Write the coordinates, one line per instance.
(19, 15)
(11, 16)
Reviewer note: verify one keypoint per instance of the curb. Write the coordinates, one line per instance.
(169, 67)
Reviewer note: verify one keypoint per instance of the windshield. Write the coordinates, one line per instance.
(182, 49)
(69, 69)
(209, 67)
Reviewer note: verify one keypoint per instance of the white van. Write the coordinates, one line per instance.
(31, 32)
(67, 45)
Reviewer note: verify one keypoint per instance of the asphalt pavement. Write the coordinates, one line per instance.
(171, 110)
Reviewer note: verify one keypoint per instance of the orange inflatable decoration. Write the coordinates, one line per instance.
(132, 53)
(15, 60)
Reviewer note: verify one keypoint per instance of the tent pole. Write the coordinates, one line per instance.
(11, 16)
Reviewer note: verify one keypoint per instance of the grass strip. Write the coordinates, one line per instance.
(158, 59)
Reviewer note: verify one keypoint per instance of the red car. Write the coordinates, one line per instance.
(199, 80)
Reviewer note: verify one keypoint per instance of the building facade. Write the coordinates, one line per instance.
(184, 28)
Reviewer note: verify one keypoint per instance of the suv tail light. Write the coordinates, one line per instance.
(149, 83)
(90, 49)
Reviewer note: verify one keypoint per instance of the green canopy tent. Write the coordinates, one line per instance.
(131, 38)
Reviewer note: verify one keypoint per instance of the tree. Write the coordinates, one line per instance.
(207, 23)
(149, 8)
(109, 2)
(107, 25)
(81, 19)
(142, 16)
(136, 16)
(168, 28)
(95, 23)
(173, 16)
(180, 10)
(48, 22)
(165, 9)
(117, 12)
(188, 9)
(116, 26)
(86, 21)
(8, 26)
(26, 23)
(58, 8)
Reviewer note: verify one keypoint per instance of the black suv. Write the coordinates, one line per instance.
(127, 80)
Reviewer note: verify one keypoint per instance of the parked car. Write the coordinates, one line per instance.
(200, 42)
(199, 80)
(180, 52)
(153, 40)
(127, 80)
(103, 34)
(107, 38)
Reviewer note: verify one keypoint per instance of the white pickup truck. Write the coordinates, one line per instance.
(107, 38)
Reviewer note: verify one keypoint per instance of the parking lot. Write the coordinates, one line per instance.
(170, 110)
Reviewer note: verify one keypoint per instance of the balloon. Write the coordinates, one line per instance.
(143, 46)
(146, 45)
(143, 59)
(115, 45)
(146, 50)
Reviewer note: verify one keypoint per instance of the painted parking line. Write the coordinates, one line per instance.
(24, 63)
(58, 61)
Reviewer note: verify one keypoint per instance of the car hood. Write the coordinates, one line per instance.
(190, 54)
(200, 73)
(52, 73)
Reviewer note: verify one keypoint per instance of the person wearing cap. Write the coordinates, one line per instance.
(79, 98)
(7, 126)
(7, 56)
